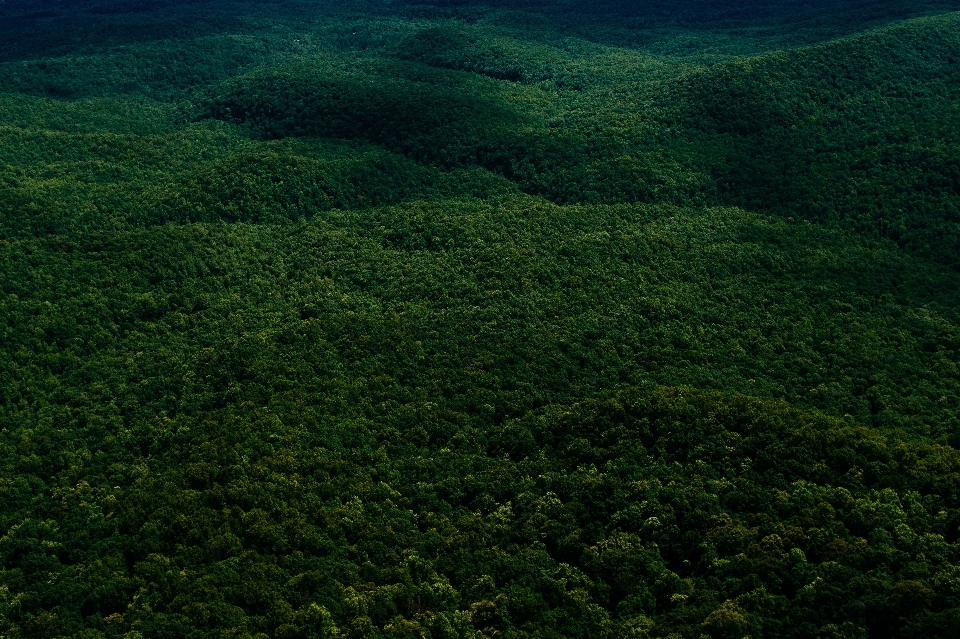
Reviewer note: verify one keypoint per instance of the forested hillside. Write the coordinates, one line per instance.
(490, 319)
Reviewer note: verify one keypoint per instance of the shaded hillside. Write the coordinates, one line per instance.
(860, 132)
(414, 110)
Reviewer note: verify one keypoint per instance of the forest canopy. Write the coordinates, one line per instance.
(486, 319)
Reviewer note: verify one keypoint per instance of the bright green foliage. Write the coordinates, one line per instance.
(522, 320)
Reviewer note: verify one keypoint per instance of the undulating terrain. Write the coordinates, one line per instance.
(513, 319)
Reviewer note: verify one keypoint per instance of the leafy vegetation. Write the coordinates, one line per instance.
(505, 319)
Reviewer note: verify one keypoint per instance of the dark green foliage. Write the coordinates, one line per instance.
(513, 319)
(874, 114)
(278, 185)
(414, 110)
(238, 392)
(858, 133)
(486, 53)
(154, 70)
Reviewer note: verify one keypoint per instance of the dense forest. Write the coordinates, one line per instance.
(513, 319)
